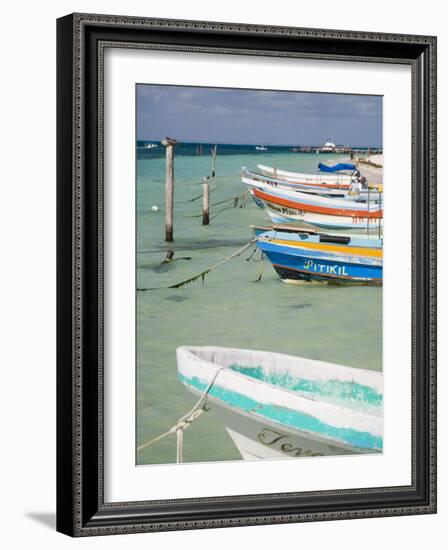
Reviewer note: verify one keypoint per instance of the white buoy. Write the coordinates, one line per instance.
(155, 208)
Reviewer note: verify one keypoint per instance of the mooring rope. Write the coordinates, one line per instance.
(206, 246)
(227, 174)
(198, 196)
(210, 178)
(206, 271)
(260, 275)
(240, 201)
(221, 210)
(232, 199)
(233, 203)
(185, 421)
(260, 261)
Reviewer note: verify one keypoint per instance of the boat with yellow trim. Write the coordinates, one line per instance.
(303, 256)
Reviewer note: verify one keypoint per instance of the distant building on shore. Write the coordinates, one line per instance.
(330, 147)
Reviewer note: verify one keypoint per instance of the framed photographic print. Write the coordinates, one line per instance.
(246, 274)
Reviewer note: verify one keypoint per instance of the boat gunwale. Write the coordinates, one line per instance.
(292, 175)
(316, 201)
(350, 260)
(333, 212)
(321, 222)
(296, 240)
(356, 241)
(279, 389)
(260, 179)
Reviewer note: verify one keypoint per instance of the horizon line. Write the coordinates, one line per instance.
(180, 141)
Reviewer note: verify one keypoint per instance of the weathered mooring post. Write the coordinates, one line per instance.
(205, 202)
(214, 150)
(169, 144)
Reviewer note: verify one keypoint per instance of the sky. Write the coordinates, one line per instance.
(225, 115)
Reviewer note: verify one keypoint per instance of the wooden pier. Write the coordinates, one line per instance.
(339, 149)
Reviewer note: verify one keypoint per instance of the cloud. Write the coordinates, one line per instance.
(257, 116)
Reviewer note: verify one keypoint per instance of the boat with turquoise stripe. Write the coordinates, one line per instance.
(299, 256)
(277, 406)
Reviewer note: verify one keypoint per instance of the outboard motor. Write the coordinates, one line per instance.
(355, 189)
(363, 181)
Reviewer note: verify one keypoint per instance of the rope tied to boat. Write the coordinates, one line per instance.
(201, 406)
(260, 261)
(204, 273)
(233, 202)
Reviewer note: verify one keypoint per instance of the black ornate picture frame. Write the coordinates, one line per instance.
(81, 40)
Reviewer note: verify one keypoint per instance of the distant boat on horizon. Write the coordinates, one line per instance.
(329, 147)
(150, 145)
(261, 148)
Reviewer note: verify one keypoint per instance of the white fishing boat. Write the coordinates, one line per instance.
(277, 406)
(284, 206)
(355, 193)
(252, 179)
(328, 147)
(341, 179)
(150, 146)
(261, 148)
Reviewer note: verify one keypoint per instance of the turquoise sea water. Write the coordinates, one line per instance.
(337, 324)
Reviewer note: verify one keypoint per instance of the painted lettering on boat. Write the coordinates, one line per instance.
(282, 441)
(324, 268)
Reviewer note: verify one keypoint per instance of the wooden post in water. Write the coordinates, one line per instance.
(169, 188)
(205, 202)
(214, 149)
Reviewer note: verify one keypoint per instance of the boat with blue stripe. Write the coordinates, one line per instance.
(254, 179)
(277, 406)
(354, 191)
(333, 177)
(301, 256)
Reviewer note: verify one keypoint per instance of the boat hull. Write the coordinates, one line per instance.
(256, 180)
(268, 421)
(298, 258)
(307, 202)
(285, 206)
(279, 214)
(261, 182)
(342, 180)
(257, 440)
